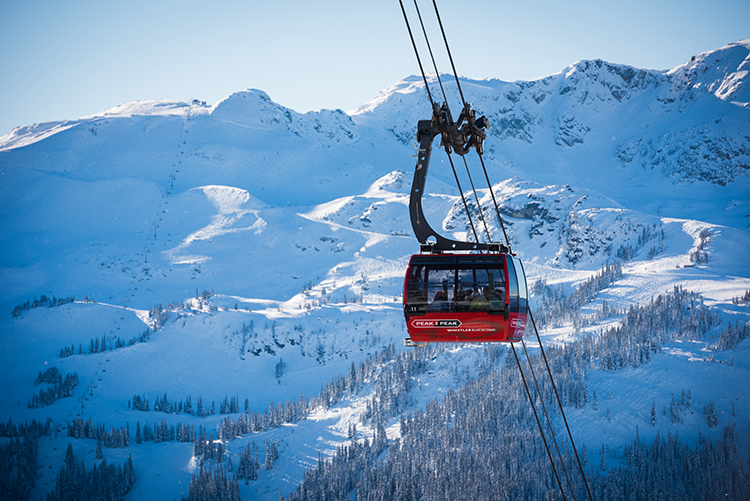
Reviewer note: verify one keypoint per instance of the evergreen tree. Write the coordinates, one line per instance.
(105, 481)
(269, 456)
(712, 418)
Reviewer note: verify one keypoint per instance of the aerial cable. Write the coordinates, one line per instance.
(448, 50)
(460, 92)
(494, 201)
(466, 165)
(416, 53)
(479, 205)
(549, 420)
(559, 403)
(539, 424)
(549, 371)
(434, 64)
(434, 109)
(463, 199)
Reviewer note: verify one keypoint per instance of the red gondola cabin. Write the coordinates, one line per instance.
(465, 298)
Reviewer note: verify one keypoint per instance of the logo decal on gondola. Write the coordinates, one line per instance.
(516, 323)
(435, 323)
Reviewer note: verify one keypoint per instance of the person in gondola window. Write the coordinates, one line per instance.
(440, 303)
(493, 298)
(486, 301)
(479, 302)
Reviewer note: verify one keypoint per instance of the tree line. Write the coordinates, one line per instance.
(100, 345)
(103, 481)
(648, 233)
(114, 438)
(558, 309)
(58, 387)
(18, 457)
(229, 405)
(744, 299)
(43, 301)
(481, 441)
(216, 485)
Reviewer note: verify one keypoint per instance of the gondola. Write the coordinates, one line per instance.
(459, 291)
(465, 297)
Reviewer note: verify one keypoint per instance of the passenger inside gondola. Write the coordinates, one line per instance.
(484, 294)
(440, 303)
(487, 301)
(457, 287)
(493, 301)
(463, 299)
(478, 303)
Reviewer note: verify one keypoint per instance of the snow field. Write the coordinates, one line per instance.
(265, 235)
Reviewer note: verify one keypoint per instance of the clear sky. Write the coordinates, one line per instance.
(68, 59)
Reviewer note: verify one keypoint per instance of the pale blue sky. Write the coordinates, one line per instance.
(67, 59)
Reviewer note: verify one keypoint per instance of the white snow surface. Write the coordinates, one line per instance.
(298, 225)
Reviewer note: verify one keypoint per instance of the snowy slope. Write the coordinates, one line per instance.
(655, 141)
(243, 234)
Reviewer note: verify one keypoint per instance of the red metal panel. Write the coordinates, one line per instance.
(427, 325)
(465, 327)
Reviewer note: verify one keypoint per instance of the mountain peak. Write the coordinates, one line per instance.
(722, 72)
(251, 105)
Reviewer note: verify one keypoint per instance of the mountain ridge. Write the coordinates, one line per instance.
(687, 125)
(243, 250)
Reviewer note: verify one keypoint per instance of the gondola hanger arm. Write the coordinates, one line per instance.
(459, 137)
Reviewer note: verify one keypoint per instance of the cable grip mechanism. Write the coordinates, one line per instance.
(465, 133)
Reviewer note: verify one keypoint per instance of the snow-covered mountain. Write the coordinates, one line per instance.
(243, 251)
(649, 139)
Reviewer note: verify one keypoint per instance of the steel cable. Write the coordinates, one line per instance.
(507, 241)
(559, 402)
(549, 420)
(539, 424)
(434, 109)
